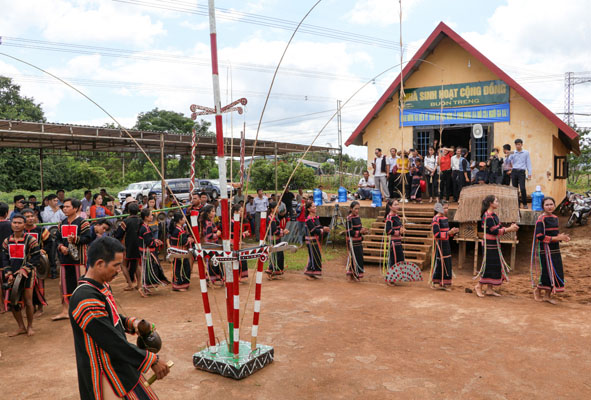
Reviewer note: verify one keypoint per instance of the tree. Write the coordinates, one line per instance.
(15, 106)
(263, 175)
(580, 165)
(176, 166)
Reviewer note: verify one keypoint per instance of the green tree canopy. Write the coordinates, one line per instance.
(263, 175)
(15, 106)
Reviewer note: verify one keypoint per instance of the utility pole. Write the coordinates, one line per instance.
(340, 134)
(570, 80)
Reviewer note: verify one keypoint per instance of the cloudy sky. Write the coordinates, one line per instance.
(134, 55)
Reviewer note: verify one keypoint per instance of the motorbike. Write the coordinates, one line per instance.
(566, 205)
(581, 209)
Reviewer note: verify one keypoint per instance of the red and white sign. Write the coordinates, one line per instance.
(16, 250)
(68, 230)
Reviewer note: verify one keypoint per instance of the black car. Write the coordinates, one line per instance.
(212, 188)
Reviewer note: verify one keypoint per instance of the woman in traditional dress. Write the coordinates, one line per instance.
(152, 274)
(494, 267)
(181, 267)
(415, 187)
(548, 270)
(276, 233)
(394, 232)
(354, 236)
(314, 234)
(210, 234)
(238, 209)
(441, 274)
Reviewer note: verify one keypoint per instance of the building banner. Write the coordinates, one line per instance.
(457, 95)
(460, 115)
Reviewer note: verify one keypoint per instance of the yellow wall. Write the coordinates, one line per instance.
(539, 135)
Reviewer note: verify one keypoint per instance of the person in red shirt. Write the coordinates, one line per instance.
(445, 189)
(97, 210)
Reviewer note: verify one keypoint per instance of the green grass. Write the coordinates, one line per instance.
(8, 197)
(297, 261)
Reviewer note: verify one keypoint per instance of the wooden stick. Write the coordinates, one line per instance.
(152, 379)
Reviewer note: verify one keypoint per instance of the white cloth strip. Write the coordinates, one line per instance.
(259, 278)
(203, 284)
(208, 319)
(236, 302)
(255, 330)
(257, 306)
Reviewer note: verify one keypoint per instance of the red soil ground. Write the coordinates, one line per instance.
(339, 340)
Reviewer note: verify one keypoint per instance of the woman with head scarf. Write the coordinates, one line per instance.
(441, 270)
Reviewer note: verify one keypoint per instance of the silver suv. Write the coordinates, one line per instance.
(138, 190)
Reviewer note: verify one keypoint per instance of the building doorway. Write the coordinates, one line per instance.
(454, 136)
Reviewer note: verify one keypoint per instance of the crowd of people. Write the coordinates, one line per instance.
(443, 172)
(90, 253)
(546, 265)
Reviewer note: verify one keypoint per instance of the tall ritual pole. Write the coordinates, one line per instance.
(219, 130)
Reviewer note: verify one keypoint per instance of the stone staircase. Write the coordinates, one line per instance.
(417, 240)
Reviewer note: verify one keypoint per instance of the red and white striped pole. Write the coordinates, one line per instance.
(221, 160)
(203, 281)
(236, 277)
(193, 157)
(242, 151)
(258, 287)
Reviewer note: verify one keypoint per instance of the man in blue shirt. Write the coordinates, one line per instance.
(520, 162)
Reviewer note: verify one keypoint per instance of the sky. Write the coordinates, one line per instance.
(132, 56)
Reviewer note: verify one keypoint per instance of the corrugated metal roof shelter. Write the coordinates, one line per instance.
(48, 136)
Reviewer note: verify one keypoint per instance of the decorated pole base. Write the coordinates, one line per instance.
(218, 360)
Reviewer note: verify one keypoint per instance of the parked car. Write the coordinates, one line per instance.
(181, 188)
(212, 188)
(138, 190)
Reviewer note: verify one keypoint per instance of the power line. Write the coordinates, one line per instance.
(163, 57)
(261, 20)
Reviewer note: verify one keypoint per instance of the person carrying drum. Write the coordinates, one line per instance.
(20, 256)
(43, 238)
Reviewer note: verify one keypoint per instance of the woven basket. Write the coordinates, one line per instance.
(471, 198)
(468, 230)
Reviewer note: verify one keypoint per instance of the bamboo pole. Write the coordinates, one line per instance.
(120, 216)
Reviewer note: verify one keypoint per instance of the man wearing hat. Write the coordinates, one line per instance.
(482, 174)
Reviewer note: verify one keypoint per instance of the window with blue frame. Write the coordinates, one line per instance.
(422, 142)
(481, 147)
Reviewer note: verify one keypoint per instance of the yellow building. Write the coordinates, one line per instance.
(449, 87)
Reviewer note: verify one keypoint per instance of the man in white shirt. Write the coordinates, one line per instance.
(238, 197)
(261, 204)
(380, 173)
(52, 213)
(392, 173)
(365, 185)
(86, 202)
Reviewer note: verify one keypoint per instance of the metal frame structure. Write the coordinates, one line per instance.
(48, 136)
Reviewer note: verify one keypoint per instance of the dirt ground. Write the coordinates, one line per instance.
(339, 340)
